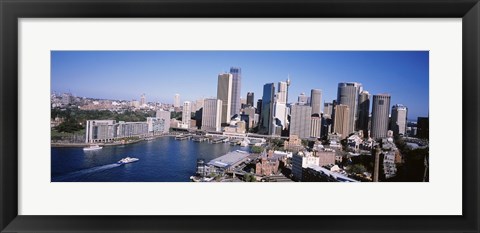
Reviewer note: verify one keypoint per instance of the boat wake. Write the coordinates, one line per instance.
(74, 176)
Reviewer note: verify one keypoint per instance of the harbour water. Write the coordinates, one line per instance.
(161, 160)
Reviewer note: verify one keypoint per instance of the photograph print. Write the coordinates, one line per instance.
(239, 116)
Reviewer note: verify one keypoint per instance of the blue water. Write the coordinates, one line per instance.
(161, 160)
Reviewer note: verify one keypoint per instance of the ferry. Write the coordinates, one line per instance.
(92, 147)
(127, 160)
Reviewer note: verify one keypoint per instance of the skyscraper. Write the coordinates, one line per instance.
(341, 121)
(280, 108)
(398, 124)
(250, 98)
(212, 115)
(267, 107)
(282, 92)
(302, 99)
(259, 107)
(236, 90)
(363, 112)
(347, 94)
(186, 114)
(316, 126)
(300, 120)
(176, 101)
(224, 93)
(380, 112)
(316, 101)
(328, 109)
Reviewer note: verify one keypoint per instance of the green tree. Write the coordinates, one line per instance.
(257, 149)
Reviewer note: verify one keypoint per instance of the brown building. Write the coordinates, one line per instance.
(269, 164)
(326, 157)
(294, 143)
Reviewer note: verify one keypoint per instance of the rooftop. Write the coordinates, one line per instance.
(339, 177)
(229, 159)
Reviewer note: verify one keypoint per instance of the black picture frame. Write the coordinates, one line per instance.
(11, 11)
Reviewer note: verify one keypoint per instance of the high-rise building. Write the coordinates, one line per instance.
(176, 101)
(302, 99)
(267, 107)
(236, 90)
(259, 107)
(348, 95)
(398, 124)
(316, 126)
(300, 122)
(328, 109)
(143, 100)
(282, 92)
(316, 101)
(363, 112)
(186, 114)
(165, 116)
(250, 111)
(212, 115)
(380, 115)
(224, 93)
(250, 98)
(280, 108)
(341, 121)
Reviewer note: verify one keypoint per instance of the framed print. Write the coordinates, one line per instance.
(231, 116)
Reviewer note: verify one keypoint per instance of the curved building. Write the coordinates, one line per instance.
(316, 101)
(347, 94)
(380, 112)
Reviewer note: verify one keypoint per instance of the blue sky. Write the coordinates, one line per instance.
(126, 75)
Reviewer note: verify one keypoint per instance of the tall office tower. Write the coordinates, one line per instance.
(341, 121)
(380, 112)
(143, 100)
(236, 90)
(363, 112)
(259, 107)
(316, 101)
(300, 122)
(348, 95)
(186, 114)
(250, 111)
(280, 107)
(250, 98)
(282, 92)
(176, 101)
(316, 126)
(224, 93)
(165, 117)
(302, 99)
(327, 109)
(398, 124)
(212, 115)
(267, 105)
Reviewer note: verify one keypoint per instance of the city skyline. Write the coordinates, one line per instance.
(160, 75)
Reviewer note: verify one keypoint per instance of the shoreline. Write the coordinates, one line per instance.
(78, 145)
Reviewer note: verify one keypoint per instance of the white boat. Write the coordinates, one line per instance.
(92, 147)
(127, 160)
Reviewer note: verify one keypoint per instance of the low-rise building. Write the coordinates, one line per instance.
(301, 160)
